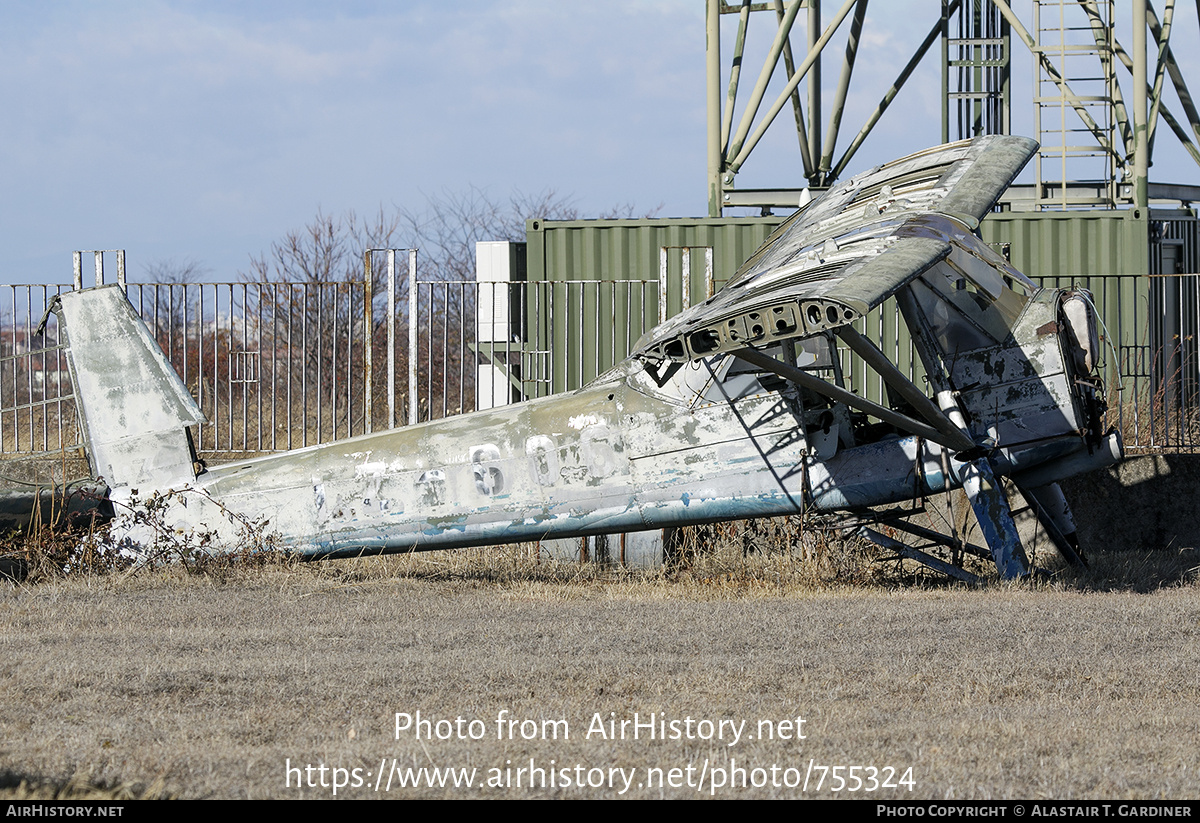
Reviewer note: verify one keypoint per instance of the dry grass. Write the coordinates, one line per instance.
(780, 553)
(774, 557)
(14, 786)
(205, 681)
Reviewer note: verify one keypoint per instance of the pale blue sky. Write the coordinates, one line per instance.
(205, 130)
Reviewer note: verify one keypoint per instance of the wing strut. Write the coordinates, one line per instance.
(987, 496)
(881, 539)
(891, 375)
(1052, 511)
(954, 440)
(995, 519)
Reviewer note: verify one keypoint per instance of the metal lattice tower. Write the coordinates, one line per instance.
(976, 57)
(1097, 143)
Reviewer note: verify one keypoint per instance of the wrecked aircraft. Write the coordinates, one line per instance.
(733, 409)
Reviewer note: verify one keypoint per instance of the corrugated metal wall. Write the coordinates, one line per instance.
(1143, 273)
(1104, 251)
(577, 316)
(629, 249)
(1071, 244)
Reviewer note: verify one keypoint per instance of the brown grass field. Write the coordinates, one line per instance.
(210, 681)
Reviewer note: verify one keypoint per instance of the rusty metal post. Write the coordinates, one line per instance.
(99, 256)
(78, 270)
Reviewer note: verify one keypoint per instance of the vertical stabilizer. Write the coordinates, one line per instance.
(133, 407)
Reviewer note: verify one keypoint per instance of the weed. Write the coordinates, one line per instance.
(15, 786)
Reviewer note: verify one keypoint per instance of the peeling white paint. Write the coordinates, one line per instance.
(370, 469)
(583, 421)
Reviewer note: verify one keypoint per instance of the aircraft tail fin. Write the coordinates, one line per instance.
(133, 408)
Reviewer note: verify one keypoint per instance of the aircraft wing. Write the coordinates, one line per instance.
(848, 250)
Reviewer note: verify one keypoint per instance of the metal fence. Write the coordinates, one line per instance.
(1160, 409)
(37, 406)
(486, 344)
(1149, 329)
(278, 366)
(273, 366)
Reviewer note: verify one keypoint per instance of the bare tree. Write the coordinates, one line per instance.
(327, 250)
(313, 275)
(310, 270)
(445, 230)
(162, 304)
(167, 301)
(451, 223)
(629, 211)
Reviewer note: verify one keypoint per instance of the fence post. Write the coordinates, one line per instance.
(413, 409)
(369, 323)
(662, 284)
(686, 289)
(687, 279)
(98, 256)
(709, 283)
(391, 336)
